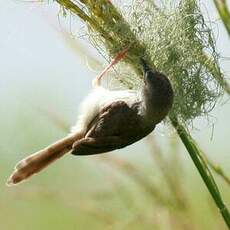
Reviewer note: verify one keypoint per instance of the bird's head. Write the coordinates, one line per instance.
(157, 89)
(153, 79)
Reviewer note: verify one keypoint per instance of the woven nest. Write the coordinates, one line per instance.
(176, 39)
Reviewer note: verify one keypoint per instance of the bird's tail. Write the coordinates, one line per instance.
(34, 163)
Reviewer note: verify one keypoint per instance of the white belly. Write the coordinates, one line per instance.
(96, 100)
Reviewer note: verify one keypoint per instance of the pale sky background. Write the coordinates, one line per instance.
(38, 70)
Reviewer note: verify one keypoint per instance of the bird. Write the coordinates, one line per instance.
(108, 120)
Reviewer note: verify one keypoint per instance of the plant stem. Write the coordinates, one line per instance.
(80, 13)
(224, 13)
(202, 167)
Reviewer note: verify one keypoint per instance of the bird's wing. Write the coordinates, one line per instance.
(118, 119)
(117, 125)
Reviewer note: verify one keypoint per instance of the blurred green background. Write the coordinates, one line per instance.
(149, 185)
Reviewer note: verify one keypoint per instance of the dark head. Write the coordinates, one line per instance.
(157, 92)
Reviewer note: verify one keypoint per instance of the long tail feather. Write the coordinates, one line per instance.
(34, 163)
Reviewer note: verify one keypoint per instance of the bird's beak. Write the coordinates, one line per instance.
(145, 66)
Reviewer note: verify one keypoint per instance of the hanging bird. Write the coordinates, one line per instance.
(108, 120)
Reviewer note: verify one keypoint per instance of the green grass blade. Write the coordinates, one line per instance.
(224, 13)
(202, 167)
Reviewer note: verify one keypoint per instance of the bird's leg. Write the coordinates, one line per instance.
(97, 81)
(90, 145)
